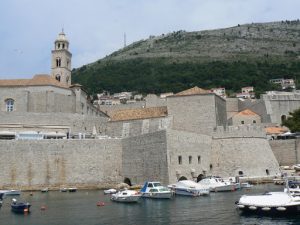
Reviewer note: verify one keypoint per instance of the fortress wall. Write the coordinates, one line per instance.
(253, 156)
(187, 144)
(287, 152)
(153, 100)
(111, 109)
(232, 107)
(196, 113)
(76, 122)
(239, 131)
(53, 163)
(145, 158)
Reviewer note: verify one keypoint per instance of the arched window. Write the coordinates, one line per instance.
(58, 46)
(57, 77)
(283, 118)
(63, 46)
(9, 105)
(182, 178)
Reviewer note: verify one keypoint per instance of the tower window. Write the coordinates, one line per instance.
(63, 46)
(190, 159)
(57, 77)
(199, 159)
(242, 122)
(58, 62)
(9, 105)
(67, 79)
(254, 121)
(58, 46)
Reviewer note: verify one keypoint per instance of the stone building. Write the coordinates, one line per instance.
(185, 135)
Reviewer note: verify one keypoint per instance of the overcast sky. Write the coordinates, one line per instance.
(96, 28)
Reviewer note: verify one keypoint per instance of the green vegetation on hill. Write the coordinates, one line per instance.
(246, 55)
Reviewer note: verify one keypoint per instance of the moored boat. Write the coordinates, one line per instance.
(155, 190)
(10, 192)
(217, 184)
(44, 190)
(126, 196)
(72, 189)
(269, 203)
(20, 207)
(189, 188)
(110, 191)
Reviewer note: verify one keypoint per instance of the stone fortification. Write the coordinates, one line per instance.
(145, 158)
(287, 152)
(241, 131)
(55, 163)
(74, 123)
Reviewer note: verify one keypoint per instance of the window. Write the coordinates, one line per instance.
(283, 118)
(241, 173)
(190, 159)
(58, 46)
(267, 172)
(57, 77)
(67, 79)
(254, 121)
(180, 160)
(58, 62)
(199, 159)
(63, 46)
(242, 122)
(9, 105)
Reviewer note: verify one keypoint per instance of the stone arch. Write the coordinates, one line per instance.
(127, 181)
(283, 118)
(182, 178)
(200, 177)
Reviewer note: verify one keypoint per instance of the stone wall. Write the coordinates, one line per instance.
(145, 158)
(194, 151)
(76, 122)
(55, 163)
(196, 113)
(287, 152)
(248, 156)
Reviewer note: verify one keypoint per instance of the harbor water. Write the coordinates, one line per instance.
(64, 208)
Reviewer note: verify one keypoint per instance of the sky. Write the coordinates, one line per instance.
(95, 28)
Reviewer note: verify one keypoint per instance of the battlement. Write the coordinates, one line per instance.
(283, 96)
(243, 131)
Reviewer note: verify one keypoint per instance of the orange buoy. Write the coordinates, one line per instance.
(100, 203)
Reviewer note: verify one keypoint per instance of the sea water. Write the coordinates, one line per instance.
(64, 208)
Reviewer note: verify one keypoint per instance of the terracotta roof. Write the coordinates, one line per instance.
(275, 130)
(135, 114)
(193, 91)
(37, 80)
(246, 112)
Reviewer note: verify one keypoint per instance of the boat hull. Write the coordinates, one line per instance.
(231, 187)
(190, 192)
(127, 199)
(159, 195)
(274, 211)
(20, 207)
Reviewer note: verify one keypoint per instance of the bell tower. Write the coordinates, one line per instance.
(61, 60)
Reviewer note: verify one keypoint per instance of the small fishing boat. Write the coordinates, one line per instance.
(44, 190)
(110, 191)
(20, 207)
(126, 196)
(63, 189)
(72, 189)
(155, 190)
(189, 188)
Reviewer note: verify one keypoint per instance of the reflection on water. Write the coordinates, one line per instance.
(81, 208)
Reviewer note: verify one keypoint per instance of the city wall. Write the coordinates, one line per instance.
(56, 163)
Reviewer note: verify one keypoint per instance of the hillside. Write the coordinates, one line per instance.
(244, 55)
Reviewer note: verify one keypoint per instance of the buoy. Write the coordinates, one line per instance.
(31, 194)
(43, 207)
(252, 207)
(240, 206)
(100, 203)
(25, 210)
(266, 209)
(281, 208)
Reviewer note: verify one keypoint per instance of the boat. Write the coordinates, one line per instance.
(63, 189)
(1, 198)
(20, 207)
(72, 189)
(110, 191)
(155, 190)
(269, 203)
(44, 190)
(10, 192)
(127, 196)
(217, 184)
(296, 167)
(189, 188)
(246, 185)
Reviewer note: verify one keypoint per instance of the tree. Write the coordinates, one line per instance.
(293, 122)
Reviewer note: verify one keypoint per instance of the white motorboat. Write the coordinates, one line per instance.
(44, 190)
(296, 167)
(269, 203)
(10, 192)
(129, 196)
(189, 188)
(110, 191)
(155, 190)
(217, 184)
